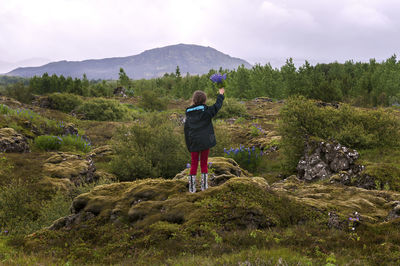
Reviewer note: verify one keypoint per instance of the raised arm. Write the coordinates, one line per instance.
(213, 110)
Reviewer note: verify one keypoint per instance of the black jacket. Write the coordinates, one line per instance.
(199, 131)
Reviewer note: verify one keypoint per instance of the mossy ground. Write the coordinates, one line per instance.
(244, 221)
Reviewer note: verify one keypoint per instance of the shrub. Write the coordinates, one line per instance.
(5, 170)
(150, 148)
(231, 108)
(223, 136)
(65, 102)
(101, 109)
(355, 128)
(247, 158)
(4, 109)
(66, 143)
(20, 92)
(48, 143)
(17, 207)
(152, 102)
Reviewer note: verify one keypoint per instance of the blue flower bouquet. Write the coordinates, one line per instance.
(218, 80)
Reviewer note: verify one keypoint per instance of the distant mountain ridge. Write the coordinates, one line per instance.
(194, 59)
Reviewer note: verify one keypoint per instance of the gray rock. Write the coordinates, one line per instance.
(395, 212)
(334, 220)
(323, 159)
(120, 91)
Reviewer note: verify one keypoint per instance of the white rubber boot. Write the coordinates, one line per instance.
(204, 181)
(192, 183)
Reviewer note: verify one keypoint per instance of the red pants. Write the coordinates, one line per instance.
(203, 155)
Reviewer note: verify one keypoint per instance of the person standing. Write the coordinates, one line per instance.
(200, 136)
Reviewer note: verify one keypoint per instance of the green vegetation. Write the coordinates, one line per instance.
(149, 148)
(65, 102)
(27, 122)
(102, 109)
(364, 84)
(352, 127)
(260, 220)
(152, 102)
(62, 143)
(249, 158)
(232, 108)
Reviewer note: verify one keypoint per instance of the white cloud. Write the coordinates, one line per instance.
(365, 16)
(257, 30)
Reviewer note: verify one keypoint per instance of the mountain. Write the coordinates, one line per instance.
(7, 66)
(194, 59)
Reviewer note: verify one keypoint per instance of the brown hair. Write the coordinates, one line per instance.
(199, 97)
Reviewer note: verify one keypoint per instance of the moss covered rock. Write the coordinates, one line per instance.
(221, 169)
(101, 151)
(12, 141)
(241, 202)
(70, 166)
(373, 205)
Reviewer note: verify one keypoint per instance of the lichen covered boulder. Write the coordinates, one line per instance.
(70, 166)
(12, 141)
(322, 159)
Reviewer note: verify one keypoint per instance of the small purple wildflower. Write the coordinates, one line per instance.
(188, 165)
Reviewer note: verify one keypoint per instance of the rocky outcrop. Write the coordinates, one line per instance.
(70, 166)
(323, 159)
(144, 202)
(220, 170)
(11, 141)
(69, 129)
(120, 91)
(42, 101)
(339, 203)
(10, 102)
(101, 151)
(395, 212)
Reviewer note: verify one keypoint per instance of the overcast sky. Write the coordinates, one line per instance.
(254, 30)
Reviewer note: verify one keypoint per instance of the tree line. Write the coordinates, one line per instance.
(359, 83)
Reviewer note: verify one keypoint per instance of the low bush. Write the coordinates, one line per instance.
(231, 108)
(22, 211)
(18, 207)
(152, 102)
(6, 168)
(352, 127)
(48, 143)
(223, 137)
(248, 158)
(101, 109)
(20, 92)
(65, 102)
(4, 109)
(150, 148)
(65, 143)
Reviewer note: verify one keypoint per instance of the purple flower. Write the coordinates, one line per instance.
(218, 78)
(188, 165)
(209, 164)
